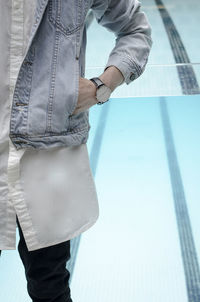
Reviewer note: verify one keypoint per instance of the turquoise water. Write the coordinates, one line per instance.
(133, 252)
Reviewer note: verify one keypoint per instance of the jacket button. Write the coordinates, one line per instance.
(20, 104)
(132, 76)
(28, 62)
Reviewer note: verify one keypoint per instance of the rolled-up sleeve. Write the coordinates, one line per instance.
(133, 35)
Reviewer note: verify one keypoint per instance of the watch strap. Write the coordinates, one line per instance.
(97, 82)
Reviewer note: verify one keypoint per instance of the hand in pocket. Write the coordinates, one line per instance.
(87, 95)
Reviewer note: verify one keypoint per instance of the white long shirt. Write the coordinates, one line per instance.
(52, 192)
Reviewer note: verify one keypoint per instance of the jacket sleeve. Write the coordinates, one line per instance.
(133, 35)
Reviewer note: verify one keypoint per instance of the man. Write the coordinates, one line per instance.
(45, 178)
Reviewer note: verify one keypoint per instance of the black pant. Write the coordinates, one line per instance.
(45, 271)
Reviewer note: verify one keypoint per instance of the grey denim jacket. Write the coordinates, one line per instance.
(47, 86)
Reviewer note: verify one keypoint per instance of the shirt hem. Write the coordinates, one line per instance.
(84, 228)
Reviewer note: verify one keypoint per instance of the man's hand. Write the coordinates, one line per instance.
(87, 95)
(112, 77)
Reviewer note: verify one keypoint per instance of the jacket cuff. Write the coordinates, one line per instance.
(128, 68)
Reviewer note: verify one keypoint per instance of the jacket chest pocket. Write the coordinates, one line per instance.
(67, 15)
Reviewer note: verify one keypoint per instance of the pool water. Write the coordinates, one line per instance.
(144, 147)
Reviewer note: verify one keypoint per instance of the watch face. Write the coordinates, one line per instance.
(103, 93)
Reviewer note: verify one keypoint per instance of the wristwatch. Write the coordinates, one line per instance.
(103, 92)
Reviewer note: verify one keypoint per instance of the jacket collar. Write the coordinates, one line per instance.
(39, 11)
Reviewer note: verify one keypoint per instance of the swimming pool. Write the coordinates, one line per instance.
(144, 147)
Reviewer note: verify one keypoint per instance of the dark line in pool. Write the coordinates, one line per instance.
(186, 73)
(188, 250)
(97, 142)
(75, 242)
(94, 157)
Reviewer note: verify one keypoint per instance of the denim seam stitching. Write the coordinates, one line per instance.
(27, 93)
(52, 83)
(59, 24)
(52, 134)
